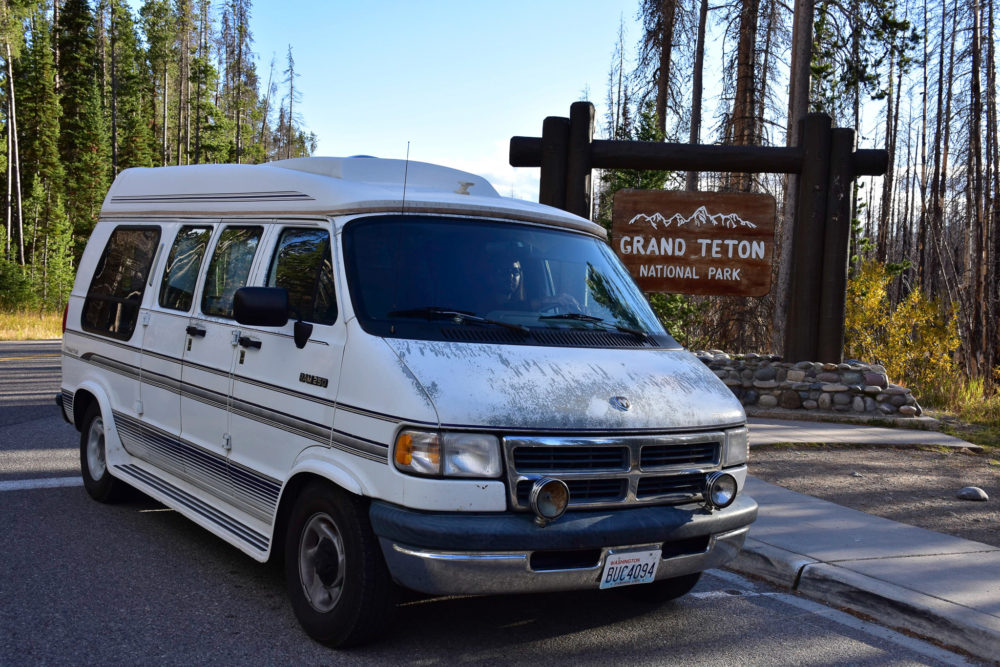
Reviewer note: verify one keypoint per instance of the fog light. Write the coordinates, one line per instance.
(720, 490)
(549, 499)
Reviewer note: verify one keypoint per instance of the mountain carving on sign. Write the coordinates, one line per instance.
(699, 218)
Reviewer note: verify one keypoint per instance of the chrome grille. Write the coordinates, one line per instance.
(614, 471)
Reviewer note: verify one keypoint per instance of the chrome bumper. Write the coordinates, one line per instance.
(458, 572)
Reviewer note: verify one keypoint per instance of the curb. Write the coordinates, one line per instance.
(895, 606)
(921, 423)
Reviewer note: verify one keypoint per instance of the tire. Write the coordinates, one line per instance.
(664, 590)
(99, 483)
(337, 579)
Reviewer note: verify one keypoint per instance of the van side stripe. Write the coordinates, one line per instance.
(224, 521)
(278, 195)
(206, 467)
(171, 384)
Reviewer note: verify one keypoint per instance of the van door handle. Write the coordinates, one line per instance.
(195, 331)
(246, 341)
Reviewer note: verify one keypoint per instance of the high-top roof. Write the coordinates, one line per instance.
(320, 186)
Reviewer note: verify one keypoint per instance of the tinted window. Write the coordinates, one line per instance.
(417, 276)
(183, 263)
(229, 269)
(303, 265)
(115, 292)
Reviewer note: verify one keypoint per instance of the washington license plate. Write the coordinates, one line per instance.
(630, 567)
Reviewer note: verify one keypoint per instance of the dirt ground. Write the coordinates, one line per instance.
(912, 486)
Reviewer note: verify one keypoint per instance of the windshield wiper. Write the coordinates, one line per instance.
(458, 316)
(583, 317)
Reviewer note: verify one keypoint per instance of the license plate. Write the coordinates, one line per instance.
(629, 567)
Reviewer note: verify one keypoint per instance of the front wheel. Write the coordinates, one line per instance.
(99, 483)
(664, 590)
(337, 580)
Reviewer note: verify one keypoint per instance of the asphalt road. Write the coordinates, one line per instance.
(136, 583)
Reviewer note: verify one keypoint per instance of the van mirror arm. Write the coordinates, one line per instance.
(302, 330)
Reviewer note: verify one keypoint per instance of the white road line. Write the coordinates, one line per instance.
(44, 483)
(916, 645)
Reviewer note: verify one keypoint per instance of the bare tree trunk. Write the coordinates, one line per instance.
(798, 107)
(974, 222)
(13, 159)
(55, 42)
(889, 182)
(992, 230)
(697, 89)
(164, 149)
(668, 12)
(114, 96)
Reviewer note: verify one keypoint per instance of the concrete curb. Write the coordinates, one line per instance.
(893, 605)
(903, 608)
(922, 423)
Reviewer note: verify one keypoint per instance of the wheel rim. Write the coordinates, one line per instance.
(95, 449)
(321, 562)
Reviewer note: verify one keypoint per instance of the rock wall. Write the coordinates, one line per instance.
(852, 387)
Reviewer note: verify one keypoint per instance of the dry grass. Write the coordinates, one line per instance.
(23, 325)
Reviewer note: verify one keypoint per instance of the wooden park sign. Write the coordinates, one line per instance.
(695, 242)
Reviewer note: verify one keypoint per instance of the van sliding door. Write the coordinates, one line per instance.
(211, 342)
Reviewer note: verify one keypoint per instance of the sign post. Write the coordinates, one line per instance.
(827, 162)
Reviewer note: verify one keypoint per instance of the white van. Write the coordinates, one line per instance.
(386, 373)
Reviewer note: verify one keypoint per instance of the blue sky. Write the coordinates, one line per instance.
(455, 79)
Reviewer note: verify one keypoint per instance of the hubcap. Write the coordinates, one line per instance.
(95, 449)
(321, 562)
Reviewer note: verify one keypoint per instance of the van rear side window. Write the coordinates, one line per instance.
(115, 293)
(229, 269)
(181, 274)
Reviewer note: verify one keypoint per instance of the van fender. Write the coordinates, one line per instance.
(114, 451)
(317, 461)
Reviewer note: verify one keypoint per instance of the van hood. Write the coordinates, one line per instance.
(515, 387)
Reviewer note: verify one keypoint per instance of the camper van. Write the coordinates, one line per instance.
(385, 375)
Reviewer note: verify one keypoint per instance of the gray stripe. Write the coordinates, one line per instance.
(224, 521)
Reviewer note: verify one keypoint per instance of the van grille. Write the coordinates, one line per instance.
(614, 471)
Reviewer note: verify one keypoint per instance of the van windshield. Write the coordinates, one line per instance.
(475, 280)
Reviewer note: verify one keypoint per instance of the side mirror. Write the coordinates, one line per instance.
(261, 306)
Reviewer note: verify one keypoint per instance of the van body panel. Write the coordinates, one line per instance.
(543, 435)
(243, 531)
(377, 384)
(324, 186)
(561, 388)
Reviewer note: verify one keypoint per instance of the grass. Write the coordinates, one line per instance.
(22, 325)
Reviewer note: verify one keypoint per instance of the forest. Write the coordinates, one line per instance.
(917, 78)
(92, 88)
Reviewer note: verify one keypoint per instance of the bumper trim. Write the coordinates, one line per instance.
(467, 572)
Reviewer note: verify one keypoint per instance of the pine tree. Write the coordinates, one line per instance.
(49, 243)
(158, 26)
(132, 94)
(83, 141)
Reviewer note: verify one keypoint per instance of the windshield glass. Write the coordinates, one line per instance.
(410, 276)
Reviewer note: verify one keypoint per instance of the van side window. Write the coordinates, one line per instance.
(303, 265)
(115, 293)
(183, 263)
(229, 268)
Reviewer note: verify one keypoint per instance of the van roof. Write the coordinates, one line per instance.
(320, 186)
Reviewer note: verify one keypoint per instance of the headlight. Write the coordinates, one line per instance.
(449, 454)
(737, 447)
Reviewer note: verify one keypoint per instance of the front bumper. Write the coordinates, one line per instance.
(459, 553)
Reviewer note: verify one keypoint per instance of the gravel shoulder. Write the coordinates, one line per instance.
(912, 486)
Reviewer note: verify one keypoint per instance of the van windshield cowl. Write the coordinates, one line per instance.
(472, 280)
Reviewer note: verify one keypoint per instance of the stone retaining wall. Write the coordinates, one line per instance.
(852, 387)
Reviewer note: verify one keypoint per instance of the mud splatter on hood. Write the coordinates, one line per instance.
(510, 386)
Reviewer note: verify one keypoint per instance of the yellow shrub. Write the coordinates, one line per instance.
(914, 341)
